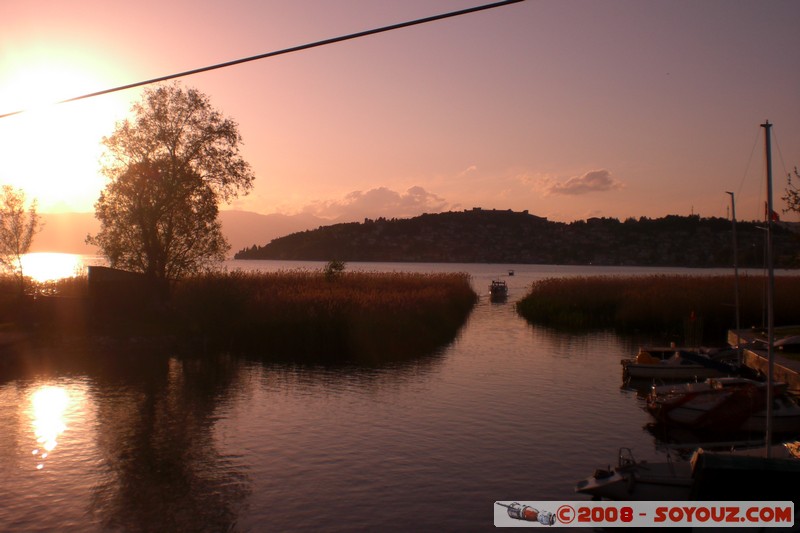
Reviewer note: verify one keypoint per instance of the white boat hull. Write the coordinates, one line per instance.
(675, 364)
(670, 481)
(666, 371)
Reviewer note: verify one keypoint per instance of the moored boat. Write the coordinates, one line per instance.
(639, 480)
(661, 363)
(726, 404)
(734, 475)
(498, 289)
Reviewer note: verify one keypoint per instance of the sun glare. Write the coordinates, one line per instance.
(48, 404)
(52, 151)
(48, 266)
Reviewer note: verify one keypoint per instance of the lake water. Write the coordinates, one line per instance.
(140, 442)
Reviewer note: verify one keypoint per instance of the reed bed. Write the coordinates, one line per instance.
(669, 306)
(44, 310)
(364, 316)
(290, 315)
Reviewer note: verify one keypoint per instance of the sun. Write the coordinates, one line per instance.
(52, 151)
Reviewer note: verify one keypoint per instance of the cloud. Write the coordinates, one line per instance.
(379, 202)
(594, 181)
(469, 170)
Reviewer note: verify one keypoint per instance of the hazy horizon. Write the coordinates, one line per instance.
(65, 232)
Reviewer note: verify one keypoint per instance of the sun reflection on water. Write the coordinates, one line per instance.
(49, 405)
(49, 266)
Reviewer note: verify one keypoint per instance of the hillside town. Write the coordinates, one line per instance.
(504, 236)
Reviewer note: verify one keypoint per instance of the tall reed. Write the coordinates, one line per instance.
(288, 314)
(668, 305)
(352, 315)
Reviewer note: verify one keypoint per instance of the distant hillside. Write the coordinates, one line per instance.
(66, 233)
(491, 236)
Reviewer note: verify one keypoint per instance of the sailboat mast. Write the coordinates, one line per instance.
(736, 280)
(770, 288)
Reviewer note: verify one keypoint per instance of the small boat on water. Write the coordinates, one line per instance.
(498, 290)
(731, 475)
(671, 363)
(725, 404)
(635, 480)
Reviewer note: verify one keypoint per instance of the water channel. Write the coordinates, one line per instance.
(140, 442)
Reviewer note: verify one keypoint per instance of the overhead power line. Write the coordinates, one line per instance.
(315, 44)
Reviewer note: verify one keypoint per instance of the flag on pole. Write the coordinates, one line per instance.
(774, 216)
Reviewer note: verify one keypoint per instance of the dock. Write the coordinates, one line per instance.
(786, 366)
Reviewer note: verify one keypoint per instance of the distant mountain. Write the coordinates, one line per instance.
(66, 232)
(474, 236)
(491, 236)
(245, 228)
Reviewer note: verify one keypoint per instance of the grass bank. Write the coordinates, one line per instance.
(670, 307)
(285, 315)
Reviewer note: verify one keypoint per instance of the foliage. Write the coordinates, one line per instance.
(792, 197)
(168, 168)
(163, 223)
(333, 269)
(18, 225)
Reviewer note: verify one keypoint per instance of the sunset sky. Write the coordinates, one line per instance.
(569, 109)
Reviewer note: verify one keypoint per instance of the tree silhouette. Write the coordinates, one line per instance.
(169, 167)
(792, 196)
(18, 225)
